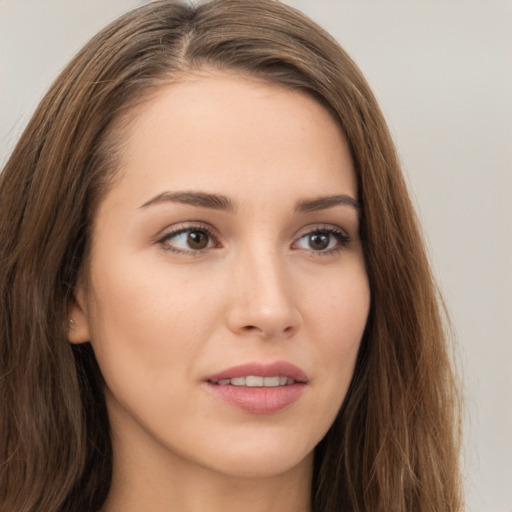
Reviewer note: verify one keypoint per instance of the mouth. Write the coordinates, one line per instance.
(271, 375)
(258, 388)
(255, 381)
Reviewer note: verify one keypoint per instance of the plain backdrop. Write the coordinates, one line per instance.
(442, 71)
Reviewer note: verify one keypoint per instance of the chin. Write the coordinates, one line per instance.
(264, 465)
(257, 456)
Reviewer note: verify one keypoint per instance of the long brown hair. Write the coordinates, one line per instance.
(394, 445)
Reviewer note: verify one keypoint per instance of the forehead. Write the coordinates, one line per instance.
(232, 132)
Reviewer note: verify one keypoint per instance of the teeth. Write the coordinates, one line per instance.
(271, 381)
(252, 381)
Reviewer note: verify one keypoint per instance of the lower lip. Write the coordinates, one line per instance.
(259, 400)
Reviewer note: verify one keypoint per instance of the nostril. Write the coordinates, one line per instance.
(266, 332)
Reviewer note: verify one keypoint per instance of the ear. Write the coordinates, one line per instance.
(78, 318)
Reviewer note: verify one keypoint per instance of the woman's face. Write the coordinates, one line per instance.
(226, 295)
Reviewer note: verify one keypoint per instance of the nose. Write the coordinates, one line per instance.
(263, 301)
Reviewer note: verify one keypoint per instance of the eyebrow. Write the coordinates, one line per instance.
(325, 202)
(220, 202)
(201, 199)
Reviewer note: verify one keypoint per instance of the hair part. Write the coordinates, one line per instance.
(395, 443)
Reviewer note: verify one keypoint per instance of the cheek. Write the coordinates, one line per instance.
(144, 322)
(337, 318)
(339, 309)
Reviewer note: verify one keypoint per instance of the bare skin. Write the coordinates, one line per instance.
(230, 238)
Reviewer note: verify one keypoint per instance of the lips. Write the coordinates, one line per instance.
(259, 388)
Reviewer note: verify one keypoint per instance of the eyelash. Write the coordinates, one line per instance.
(202, 228)
(340, 235)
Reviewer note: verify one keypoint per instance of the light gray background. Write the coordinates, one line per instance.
(442, 71)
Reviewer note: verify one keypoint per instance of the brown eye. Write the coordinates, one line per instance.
(326, 240)
(188, 240)
(198, 240)
(319, 241)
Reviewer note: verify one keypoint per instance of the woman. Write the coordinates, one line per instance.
(214, 292)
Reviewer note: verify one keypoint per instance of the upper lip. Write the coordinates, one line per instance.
(278, 368)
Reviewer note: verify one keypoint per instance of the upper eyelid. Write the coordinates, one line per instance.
(321, 227)
(186, 226)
